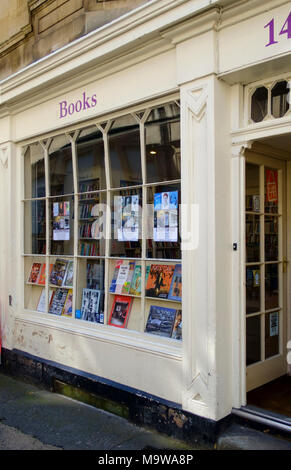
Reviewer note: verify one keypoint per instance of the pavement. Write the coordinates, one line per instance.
(32, 418)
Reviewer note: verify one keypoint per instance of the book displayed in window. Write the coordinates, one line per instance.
(166, 217)
(175, 292)
(61, 220)
(41, 307)
(120, 311)
(34, 273)
(41, 279)
(58, 272)
(122, 277)
(95, 275)
(68, 279)
(58, 301)
(68, 306)
(159, 280)
(177, 328)
(161, 321)
(91, 305)
(135, 286)
(126, 210)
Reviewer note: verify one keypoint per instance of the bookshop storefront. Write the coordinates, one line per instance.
(145, 194)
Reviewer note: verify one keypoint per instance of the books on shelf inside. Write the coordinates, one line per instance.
(60, 302)
(159, 280)
(62, 273)
(163, 321)
(34, 273)
(120, 311)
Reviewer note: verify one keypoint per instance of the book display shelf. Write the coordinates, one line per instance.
(121, 178)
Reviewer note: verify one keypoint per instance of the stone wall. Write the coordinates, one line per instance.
(31, 29)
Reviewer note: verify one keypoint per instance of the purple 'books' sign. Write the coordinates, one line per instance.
(85, 102)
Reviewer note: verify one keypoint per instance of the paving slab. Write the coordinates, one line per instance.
(238, 437)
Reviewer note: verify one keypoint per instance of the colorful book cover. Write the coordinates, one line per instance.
(58, 272)
(135, 286)
(120, 311)
(68, 279)
(34, 273)
(126, 285)
(175, 292)
(41, 279)
(58, 301)
(159, 280)
(90, 305)
(177, 328)
(68, 307)
(41, 307)
(115, 276)
(160, 321)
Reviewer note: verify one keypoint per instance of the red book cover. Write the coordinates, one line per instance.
(120, 311)
(41, 279)
(34, 273)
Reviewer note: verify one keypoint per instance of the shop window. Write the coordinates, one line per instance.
(279, 99)
(102, 240)
(259, 104)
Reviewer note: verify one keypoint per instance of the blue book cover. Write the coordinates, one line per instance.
(175, 292)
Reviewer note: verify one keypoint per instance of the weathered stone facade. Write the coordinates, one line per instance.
(31, 29)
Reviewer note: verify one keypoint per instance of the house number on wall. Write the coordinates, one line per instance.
(286, 29)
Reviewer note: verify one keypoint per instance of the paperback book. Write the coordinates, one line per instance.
(175, 292)
(41, 279)
(120, 311)
(41, 307)
(160, 321)
(58, 301)
(68, 279)
(58, 272)
(135, 286)
(177, 328)
(90, 306)
(34, 273)
(159, 280)
(123, 272)
(68, 306)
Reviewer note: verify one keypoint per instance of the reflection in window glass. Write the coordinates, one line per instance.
(90, 160)
(126, 223)
(253, 290)
(163, 234)
(34, 172)
(252, 188)
(60, 165)
(162, 137)
(62, 225)
(279, 99)
(35, 227)
(253, 334)
(124, 152)
(259, 105)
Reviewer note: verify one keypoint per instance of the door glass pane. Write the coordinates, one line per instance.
(253, 289)
(271, 238)
(271, 191)
(252, 187)
(271, 334)
(124, 152)
(271, 286)
(252, 238)
(253, 339)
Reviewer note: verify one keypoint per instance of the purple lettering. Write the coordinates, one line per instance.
(85, 101)
(71, 108)
(63, 109)
(78, 106)
(94, 100)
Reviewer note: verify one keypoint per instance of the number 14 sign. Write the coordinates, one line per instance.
(286, 29)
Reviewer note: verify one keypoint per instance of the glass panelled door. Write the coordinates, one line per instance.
(264, 271)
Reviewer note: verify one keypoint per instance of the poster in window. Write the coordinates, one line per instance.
(274, 324)
(127, 217)
(166, 217)
(61, 220)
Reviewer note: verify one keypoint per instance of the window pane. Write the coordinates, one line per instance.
(271, 286)
(279, 97)
(90, 290)
(253, 340)
(60, 165)
(35, 227)
(259, 106)
(253, 289)
(163, 234)
(91, 224)
(162, 137)
(252, 238)
(124, 152)
(252, 188)
(61, 283)
(34, 172)
(126, 223)
(90, 160)
(271, 238)
(62, 225)
(271, 191)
